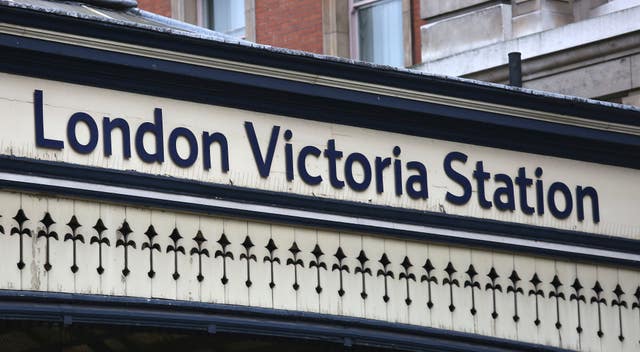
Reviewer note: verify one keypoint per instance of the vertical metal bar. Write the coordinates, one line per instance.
(515, 69)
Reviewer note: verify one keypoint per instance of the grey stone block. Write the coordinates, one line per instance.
(471, 30)
(431, 8)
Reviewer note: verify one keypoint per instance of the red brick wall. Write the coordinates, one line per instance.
(416, 38)
(293, 24)
(160, 7)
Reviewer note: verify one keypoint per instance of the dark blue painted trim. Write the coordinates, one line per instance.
(96, 309)
(193, 83)
(314, 65)
(245, 195)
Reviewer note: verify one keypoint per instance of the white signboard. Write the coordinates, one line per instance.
(104, 128)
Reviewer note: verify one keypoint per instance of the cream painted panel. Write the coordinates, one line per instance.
(85, 279)
(375, 307)
(351, 302)
(330, 302)
(162, 284)
(397, 309)
(504, 324)
(137, 282)
(307, 297)
(608, 278)
(33, 275)
(112, 256)
(9, 250)
(62, 99)
(283, 293)
(283, 296)
(548, 333)
(525, 325)
(589, 340)
(419, 313)
(441, 316)
(568, 310)
(463, 316)
(259, 291)
(210, 288)
(236, 290)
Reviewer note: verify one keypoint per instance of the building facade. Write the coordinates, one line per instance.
(164, 186)
(586, 48)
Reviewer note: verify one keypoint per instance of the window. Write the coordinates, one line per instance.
(225, 16)
(376, 31)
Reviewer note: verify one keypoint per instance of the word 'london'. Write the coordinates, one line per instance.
(368, 172)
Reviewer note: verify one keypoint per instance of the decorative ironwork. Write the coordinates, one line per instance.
(125, 230)
(74, 236)
(636, 304)
(449, 280)
(247, 244)
(200, 240)
(340, 267)
(535, 281)
(150, 245)
(47, 221)
(175, 248)
(576, 296)
(514, 278)
(384, 261)
(295, 262)
(428, 268)
(318, 264)
(224, 242)
(493, 275)
(558, 295)
(362, 269)
(406, 275)
(619, 302)
(20, 218)
(271, 247)
(100, 240)
(598, 300)
(471, 272)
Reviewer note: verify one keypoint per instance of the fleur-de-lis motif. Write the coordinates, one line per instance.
(493, 275)
(340, 267)
(150, 245)
(271, 247)
(175, 248)
(535, 281)
(47, 221)
(449, 280)
(295, 262)
(247, 244)
(576, 296)
(618, 301)
(558, 295)
(200, 240)
(428, 268)
(514, 278)
(471, 272)
(406, 275)
(636, 304)
(384, 261)
(125, 230)
(20, 218)
(224, 242)
(362, 269)
(74, 236)
(598, 300)
(317, 253)
(100, 240)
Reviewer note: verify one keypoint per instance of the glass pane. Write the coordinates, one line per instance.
(380, 33)
(227, 16)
